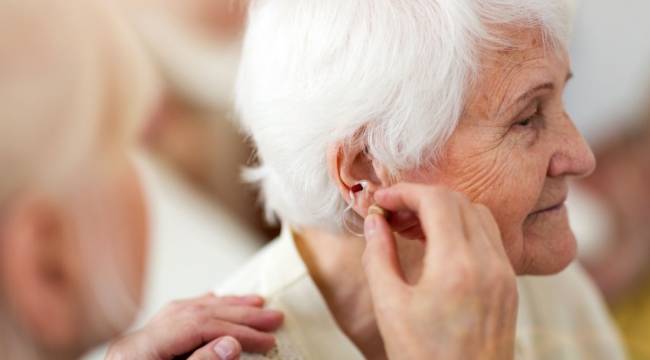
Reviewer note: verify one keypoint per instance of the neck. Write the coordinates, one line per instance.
(334, 262)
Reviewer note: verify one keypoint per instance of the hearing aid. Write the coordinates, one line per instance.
(353, 222)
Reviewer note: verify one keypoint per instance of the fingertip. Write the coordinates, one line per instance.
(253, 300)
(227, 348)
(376, 240)
(271, 320)
(380, 258)
(371, 226)
(264, 344)
(278, 315)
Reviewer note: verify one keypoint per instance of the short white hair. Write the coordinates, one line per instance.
(391, 74)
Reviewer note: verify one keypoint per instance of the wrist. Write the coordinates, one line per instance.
(130, 347)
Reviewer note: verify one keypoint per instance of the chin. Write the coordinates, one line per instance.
(548, 244)
(548, 255)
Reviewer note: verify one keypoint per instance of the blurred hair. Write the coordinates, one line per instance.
(72, 84)
(391, 75)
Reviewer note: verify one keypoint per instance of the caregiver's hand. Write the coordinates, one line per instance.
(464, 305)
(208, 327)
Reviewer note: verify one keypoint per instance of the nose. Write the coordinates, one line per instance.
(573, 156)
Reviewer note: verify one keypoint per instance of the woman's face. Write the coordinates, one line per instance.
(514, 151)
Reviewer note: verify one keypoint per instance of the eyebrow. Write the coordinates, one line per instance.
(531, 92)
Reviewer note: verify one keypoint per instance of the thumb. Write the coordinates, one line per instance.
(224, 348)
(380, 259)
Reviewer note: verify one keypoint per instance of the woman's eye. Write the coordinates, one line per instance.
(529, 120)
(525, 123)
(529, 117)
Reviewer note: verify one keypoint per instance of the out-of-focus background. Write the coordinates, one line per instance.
(205, 221)
(609, 99)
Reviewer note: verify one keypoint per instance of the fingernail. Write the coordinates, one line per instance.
(370, 225)
(226, 348)
(375, 209)
(271, 315)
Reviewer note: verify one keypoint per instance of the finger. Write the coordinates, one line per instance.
(492, 230)
(407, 224)
(473, 225)
(260, 319)
(225, 348)
(248, 300)
(439, 214)
(207, 329)
(401, 197)
(402, 220)
(380, 259)
(250, 339)
(413, 233)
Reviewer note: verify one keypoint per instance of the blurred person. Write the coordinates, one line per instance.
(73, 223)
(458, 104)
(195, 240)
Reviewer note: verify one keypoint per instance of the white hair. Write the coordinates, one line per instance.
(390, 74)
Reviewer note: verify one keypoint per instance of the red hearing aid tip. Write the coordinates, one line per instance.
(356, 188)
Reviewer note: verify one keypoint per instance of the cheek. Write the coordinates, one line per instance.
(508, 180)
(511, 200)
(514, 196)
(550, 244)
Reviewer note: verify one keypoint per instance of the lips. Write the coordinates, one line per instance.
(556, 206)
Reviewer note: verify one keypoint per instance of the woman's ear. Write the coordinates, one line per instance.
(351, 165)
(37, 272)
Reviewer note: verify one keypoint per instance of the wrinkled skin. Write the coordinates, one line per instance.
(515, 157)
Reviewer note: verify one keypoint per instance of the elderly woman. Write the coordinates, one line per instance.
(349, 100)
